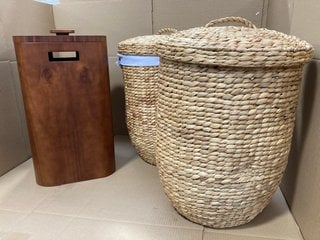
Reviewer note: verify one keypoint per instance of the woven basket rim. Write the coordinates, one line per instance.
(147, 40)
(141, 45)
(288, 40)
(216, 49)
(245, 47)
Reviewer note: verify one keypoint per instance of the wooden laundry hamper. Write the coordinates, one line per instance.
(225, 115)
(65, 87)
(140, 64)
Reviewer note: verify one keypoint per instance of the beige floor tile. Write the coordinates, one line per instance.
(39, 227)
(129, 204)
(9, 219)
(83, 229)
(15, 236)
(19, 191)
(68, 199)
(71, 199)
(186, 14)
(275, 221)
(118, 20)
(223, 236)
(134, 194)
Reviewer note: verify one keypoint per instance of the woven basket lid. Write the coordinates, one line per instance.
(235, 46)
(143, 45)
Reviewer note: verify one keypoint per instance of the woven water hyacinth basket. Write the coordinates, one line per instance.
(225, 115)
(140, 66)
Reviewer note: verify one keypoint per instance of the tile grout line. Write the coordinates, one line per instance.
(116, 221)
(248, 235)
(75, 215)
(13, 211)
(25, 215)
(139, 223)
(65, 227)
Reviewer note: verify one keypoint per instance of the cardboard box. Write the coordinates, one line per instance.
(123, 19)
(118, 20)
(13, 149)
(184, 14)
(300, 183)
(22, 18)
(305, 22)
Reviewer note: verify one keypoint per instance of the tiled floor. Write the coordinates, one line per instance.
(129, 204)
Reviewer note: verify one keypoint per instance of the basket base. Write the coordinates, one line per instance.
(215, 225)
(219, 222)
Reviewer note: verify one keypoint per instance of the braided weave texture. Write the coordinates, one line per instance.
(140, 94)
(140, 102)
(225, 115)
(236, 46)
(223, 137)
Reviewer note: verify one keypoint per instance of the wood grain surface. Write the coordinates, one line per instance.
(68, 107)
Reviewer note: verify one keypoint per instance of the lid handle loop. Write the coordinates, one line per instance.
(167, 30)
(240, 20)
(61, 32)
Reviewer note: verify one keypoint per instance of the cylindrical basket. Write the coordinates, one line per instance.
(140, 66)
(225, 115)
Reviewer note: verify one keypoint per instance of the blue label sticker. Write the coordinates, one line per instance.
(51, 2)
(138, 61)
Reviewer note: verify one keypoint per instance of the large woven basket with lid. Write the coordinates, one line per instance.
(140, 69)
(225, 115)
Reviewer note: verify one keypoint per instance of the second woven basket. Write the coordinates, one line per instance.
(140, 67)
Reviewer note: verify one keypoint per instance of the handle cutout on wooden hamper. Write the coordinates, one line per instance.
(63, 56)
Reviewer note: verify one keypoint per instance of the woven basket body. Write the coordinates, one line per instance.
(140, 85)
(225, 115)
(140, 94)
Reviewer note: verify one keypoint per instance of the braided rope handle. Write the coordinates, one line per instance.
(167, 30)
(240, 20)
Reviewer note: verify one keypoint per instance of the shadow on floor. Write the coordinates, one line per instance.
(124, 151)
